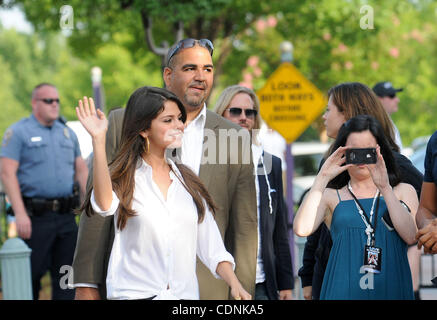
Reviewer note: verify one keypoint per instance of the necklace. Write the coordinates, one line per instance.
(370, 231)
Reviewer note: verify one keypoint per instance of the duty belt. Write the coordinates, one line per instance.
(38, 206)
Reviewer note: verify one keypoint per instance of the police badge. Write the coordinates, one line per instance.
(7, 137)
(66, 133)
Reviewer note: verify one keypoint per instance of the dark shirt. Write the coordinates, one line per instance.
(319, 244)
(275, 249)
(430, 160)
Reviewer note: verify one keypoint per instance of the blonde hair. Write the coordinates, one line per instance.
(229, 93)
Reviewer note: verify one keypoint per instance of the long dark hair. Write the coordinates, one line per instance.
(359, 124)
(144, 105)
(355, 98)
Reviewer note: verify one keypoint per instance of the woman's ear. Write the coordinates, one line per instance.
(143, 134)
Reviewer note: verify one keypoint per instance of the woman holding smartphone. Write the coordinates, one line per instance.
(371, 216)
(347, 100)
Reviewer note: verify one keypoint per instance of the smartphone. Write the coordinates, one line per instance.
(361, 156)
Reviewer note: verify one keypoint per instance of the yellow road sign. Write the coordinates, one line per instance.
(290, 102)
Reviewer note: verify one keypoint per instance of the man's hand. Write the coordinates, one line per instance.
(8, 174)
(427, 237)
(308, 292)
(285, 294)
(24, 226)
(85, 293)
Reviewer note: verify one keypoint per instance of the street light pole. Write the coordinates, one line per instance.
(286, 49)
(96, 78)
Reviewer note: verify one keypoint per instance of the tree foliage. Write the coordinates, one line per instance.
(330, 46)
(26, 60)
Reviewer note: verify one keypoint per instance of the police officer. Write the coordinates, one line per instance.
(40, 160)
(390, 101)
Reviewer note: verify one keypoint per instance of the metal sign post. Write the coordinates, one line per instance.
(289, 103)
(96, 78)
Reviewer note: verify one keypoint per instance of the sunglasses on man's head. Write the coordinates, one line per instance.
(189, 43)
(49, 100)
(236, 112)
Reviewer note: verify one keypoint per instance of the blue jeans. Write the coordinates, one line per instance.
(261, 291)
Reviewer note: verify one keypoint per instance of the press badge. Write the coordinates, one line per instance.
(372, 259)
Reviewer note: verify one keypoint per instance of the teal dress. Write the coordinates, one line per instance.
(343, 278)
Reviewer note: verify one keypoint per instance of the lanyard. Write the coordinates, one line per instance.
(266, 176)
(267, 182)
(370, 230)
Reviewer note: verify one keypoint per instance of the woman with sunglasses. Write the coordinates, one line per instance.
(274, 272)
(163, 215)
(347, 100)
(370, 213)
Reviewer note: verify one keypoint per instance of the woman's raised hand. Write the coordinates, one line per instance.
(335, 164)
(378, 171)
(94, 121)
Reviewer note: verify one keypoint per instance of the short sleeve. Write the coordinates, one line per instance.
(77, 152)
(12, 144)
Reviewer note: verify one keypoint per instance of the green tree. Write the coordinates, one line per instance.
(330, 44)
(26, 60)
(97, 22)
(11, 108)
(330, 47)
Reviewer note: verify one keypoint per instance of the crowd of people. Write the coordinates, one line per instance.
(173, 208)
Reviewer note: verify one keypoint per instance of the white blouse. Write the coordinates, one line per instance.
(192, 142)
(155, 253)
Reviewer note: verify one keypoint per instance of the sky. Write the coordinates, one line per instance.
(14, 18)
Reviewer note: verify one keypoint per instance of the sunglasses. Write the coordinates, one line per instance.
(391, 96)
(49, 101)
(236, 112)
(189, 43)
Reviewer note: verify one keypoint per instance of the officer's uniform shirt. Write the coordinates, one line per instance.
(430, 162)
(46, 157)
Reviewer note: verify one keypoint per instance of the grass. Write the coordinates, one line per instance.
(3, 228)
(46, 289)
